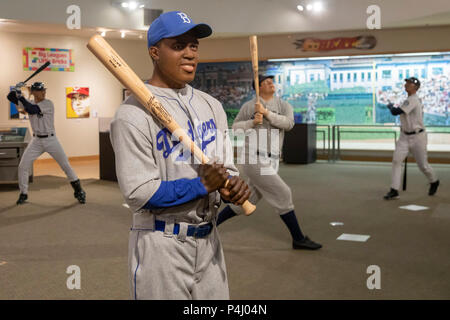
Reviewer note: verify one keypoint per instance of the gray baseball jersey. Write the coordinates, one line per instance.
(412, 118)
(146, 154)
(263, 178)
(411, 121)
(280, 118)
(43, 124)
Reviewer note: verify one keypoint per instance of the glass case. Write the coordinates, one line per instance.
(13, 142)
(14, 134)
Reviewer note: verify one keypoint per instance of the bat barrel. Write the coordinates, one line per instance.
(254, 56)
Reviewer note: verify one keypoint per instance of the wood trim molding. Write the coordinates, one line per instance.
(71, 159)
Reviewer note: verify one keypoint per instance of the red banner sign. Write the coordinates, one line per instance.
(312, 44)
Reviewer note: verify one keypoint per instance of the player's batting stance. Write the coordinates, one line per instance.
(413, 137)
(271, 114)
(41, 113)
(267, 117)
(174, 248)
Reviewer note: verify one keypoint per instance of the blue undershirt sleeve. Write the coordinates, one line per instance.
(176, 192)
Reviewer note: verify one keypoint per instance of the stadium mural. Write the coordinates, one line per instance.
(337, 90)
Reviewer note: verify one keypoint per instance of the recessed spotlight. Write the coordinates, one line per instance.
(318, 6)
(300, 8)
(309, 7)
(132, 5)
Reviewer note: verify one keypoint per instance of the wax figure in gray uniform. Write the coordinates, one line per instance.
(174, 247)
(413, 137)
(41, 114)
(273, 115)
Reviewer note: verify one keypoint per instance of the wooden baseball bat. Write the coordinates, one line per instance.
(254, 55)
(118, 67)
(405, 174)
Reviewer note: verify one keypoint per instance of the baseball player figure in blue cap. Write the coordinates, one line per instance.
(174, 248)
(413, 137)
(272, 115)
(41, 114)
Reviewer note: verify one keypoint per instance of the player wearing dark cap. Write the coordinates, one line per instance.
(41, 113)
(270, 118)
(413, 138)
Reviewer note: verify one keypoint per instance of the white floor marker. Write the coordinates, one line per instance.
(126, 205)
(413, 207)
(336, 224)
(353, 237)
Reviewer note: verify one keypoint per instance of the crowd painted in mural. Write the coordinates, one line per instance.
(337, 91)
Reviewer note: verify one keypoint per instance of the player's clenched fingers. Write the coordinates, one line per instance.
(239, 193)
(236, 188)
(216, 169)
(245, 196)
(232, 182)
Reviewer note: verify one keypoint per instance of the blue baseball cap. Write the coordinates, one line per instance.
(172, 24)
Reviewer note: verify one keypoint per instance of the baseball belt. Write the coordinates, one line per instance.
(199, 231)
(43, 136)
(413, 132)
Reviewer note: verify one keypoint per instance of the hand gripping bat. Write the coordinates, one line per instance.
(118, 67)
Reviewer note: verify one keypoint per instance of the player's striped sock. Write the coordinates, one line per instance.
(225, 214)
(291, 222)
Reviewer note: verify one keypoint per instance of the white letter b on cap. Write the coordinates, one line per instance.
(184, 17)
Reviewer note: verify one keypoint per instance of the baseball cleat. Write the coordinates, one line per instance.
(79, 193)
(306, 243)
(433, 188)
(22, 199)
(80, 196)
(392, 194)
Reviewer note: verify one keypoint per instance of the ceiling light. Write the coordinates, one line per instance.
(122, 34)
(300, 8)
(318, 6)
(103, 33)
(132, 5)
(309, 7)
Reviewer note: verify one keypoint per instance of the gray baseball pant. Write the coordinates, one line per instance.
(37, 147)
(417, 144)
(176, 267)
